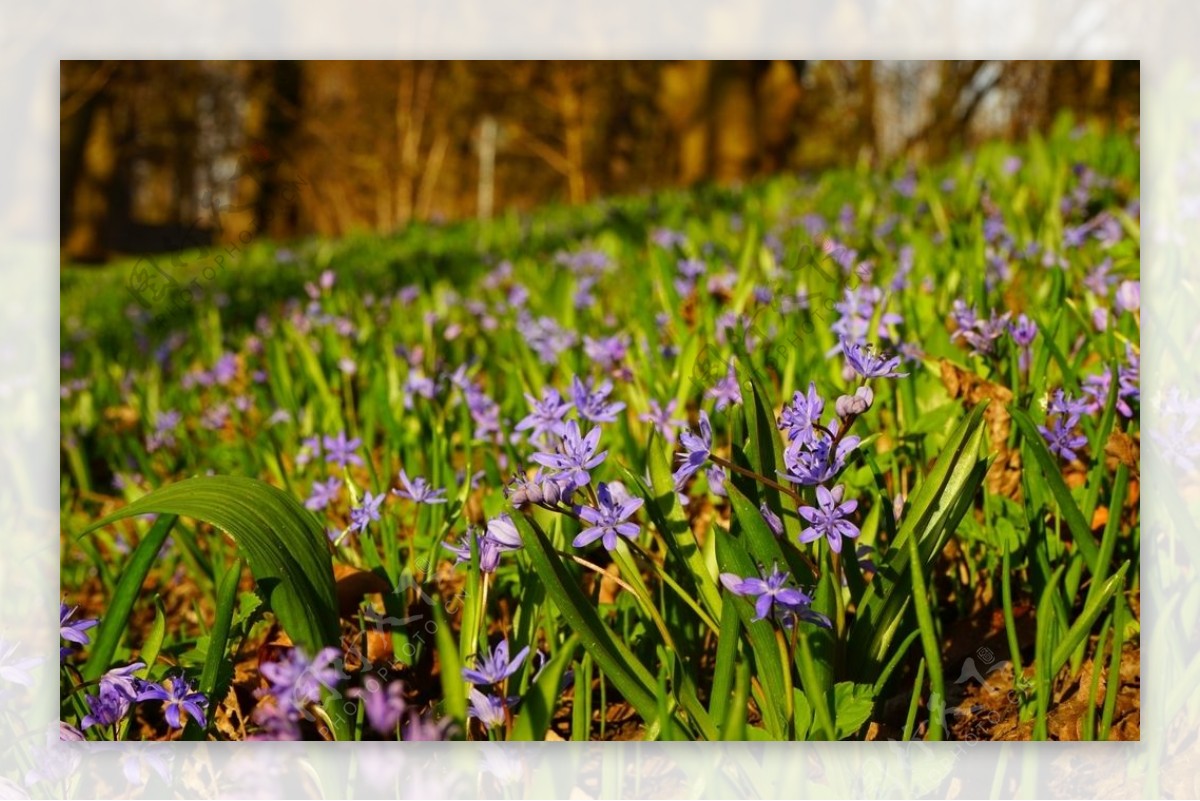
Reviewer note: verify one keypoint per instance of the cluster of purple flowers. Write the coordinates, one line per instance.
(388, 713)
(165, 425)
(120, 688)
(856, 309)
(493, 670)
(1096, 387)
(980, 334)
(545, 337)
(484, 411)
(1063, 414)
(294, 683)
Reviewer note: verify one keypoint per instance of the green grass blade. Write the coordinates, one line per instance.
(628, 674)
(1081, 533)
(723, 675)
(214, 678)
(116, 618)
(1082, 627)
(537, 706)
(930, 642)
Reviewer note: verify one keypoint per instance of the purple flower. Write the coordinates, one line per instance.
(980, 334)
(72, 631)
(215, 417)
(773, 520)
(802, 414)
(1096, 388)
(296, 681)
(726, 391)
(164, 427)
(716, 481)
(179, 698)
(1061, 439)
(418, 490)
(496, 666)
(340, 451)
(323, 493)
(123, 680)
(462, 551)
(485, 412)
(1063, 404)
(666, 238)
(575, 456)
(606, 352)
(308, 448)
(590, 401)
(118, 689)
(690, 269)
(225, 369)
(107, 708)
(1099, 280)
(418, 729)
(1129, 296)
(1023, 330)
(770, 590)
(487, 709)
(545, 337)
(417, 384)
(856, 404)
(816, 461)
(608, 519)
(362, 515)
(384, 707)
(829, 518)
(696, 451)
(661, 418)
(546, 415)
(499, 537)
(870, 364)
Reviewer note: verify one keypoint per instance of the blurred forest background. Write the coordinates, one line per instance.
(162, 155)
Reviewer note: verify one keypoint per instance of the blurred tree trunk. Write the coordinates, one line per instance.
(734, 121)
(866, 105)
(92, 183)
(779, 99)
(684, 99)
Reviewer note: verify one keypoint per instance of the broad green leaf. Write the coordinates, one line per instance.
(282, 542)
(454, 691)
(852, 707)
(941, 500)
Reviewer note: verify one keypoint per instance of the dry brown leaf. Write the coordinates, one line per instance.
(1125, 449)
(1004, 476)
